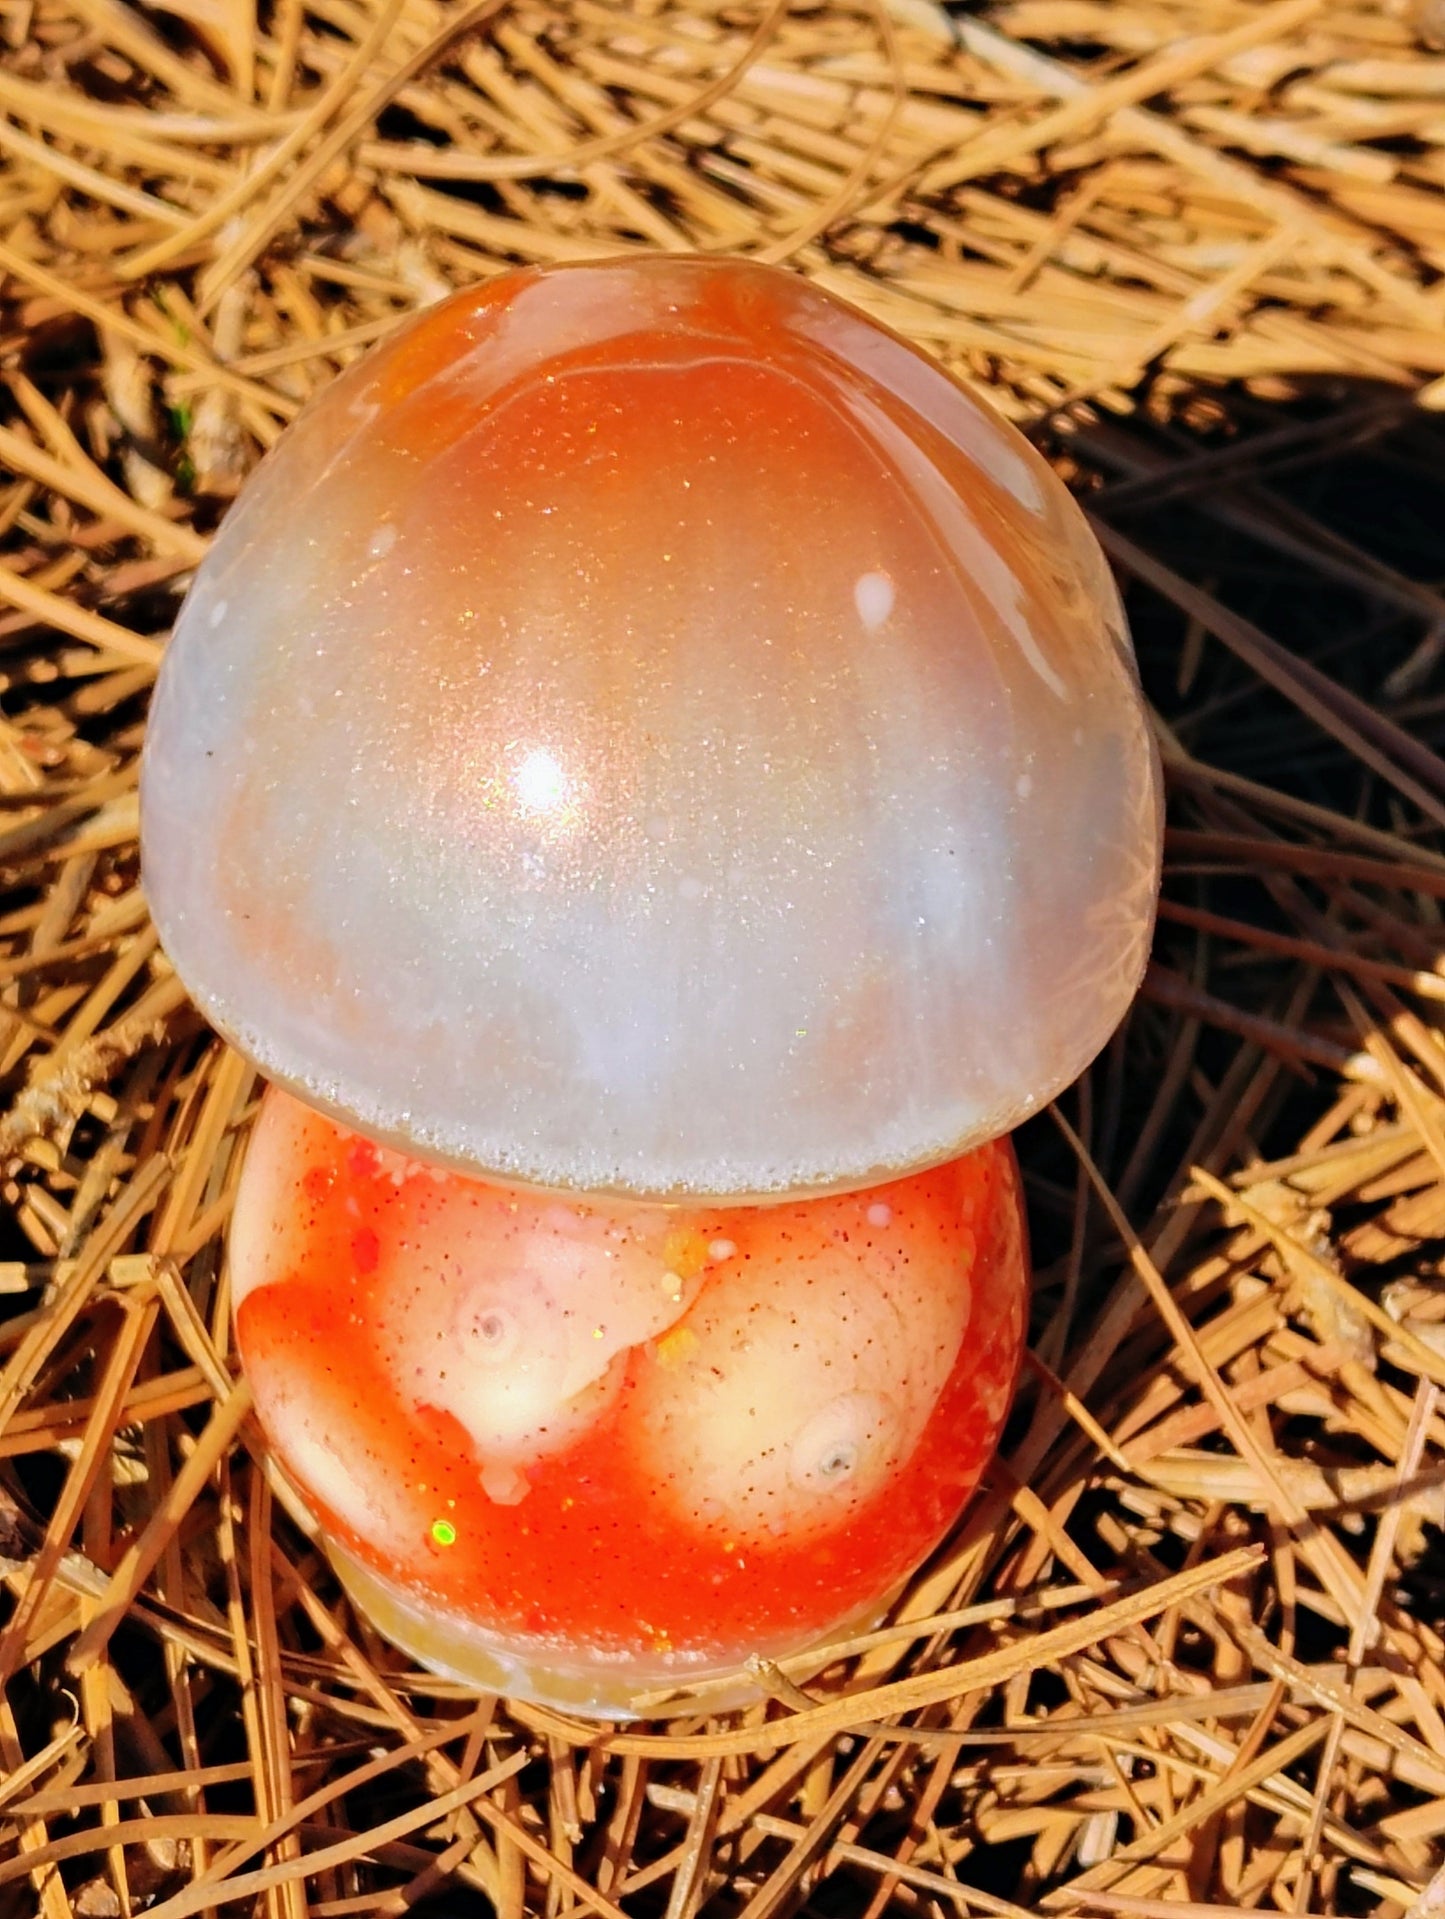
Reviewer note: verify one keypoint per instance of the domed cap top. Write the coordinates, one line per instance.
(647, 728)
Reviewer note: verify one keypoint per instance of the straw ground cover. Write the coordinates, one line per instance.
(1185, 1655)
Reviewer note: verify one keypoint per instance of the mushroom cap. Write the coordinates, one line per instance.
(647, 729)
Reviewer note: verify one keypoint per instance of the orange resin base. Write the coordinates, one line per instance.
(580, 1450)
(629, 1687)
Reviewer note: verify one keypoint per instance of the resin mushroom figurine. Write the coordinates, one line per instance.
(654, 773)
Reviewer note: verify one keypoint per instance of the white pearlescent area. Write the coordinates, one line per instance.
(647, 729)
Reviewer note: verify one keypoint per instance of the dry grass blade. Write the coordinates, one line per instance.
(1387, 748)
(922, 1689)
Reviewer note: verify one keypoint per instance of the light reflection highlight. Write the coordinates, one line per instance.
(540, 783)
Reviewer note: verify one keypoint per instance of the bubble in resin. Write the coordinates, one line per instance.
(792, 1393)
(578, 1448)
(646, 728)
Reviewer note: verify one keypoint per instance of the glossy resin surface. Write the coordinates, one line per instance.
(647, 729)
(577, 1449)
